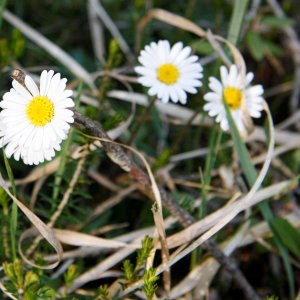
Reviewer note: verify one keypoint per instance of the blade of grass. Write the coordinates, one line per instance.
(13, 224)
(236, 20)
(214, 143)
(251, 175)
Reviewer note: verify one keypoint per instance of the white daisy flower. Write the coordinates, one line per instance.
(170, 73)
(242, 98)
(36, 120)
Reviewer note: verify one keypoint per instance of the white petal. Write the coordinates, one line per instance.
(31, 86)
(181, 94)
(21, 90)
(215, 85)
(175, 51)
(224, 75)
(173, 94)
(43, 83)
(183, 55)
(48, 81)
(249, 78)
(53, 86)
(232, 76)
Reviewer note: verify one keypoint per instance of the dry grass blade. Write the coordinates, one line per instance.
(50, 47)
(187, 25)
(203, 225)
(156, 209)
(103, 180)
(107, 21)
(202, 275)
(258, 197)
(125, 238)
(103, 266)
(36, 188)
(65, 198)
(210, 37)
(41, 227)
(96, 32)
(169, 18)
(75, 238)
(112, 201)
(169, 109)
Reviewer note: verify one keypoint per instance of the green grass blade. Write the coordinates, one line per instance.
(239, 10)
(214, 143)
(13, 226)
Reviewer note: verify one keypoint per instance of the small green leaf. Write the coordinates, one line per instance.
(288, 235)
(273, 48)
(277, 22)
(255, 44)
(203, 47)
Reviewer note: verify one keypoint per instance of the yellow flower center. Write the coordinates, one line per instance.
(233, 97)
(167, 74)
(40, 111)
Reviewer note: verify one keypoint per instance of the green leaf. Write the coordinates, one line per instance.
(276, 21)
(288, 234)
(273, 48)
(255, 44)
(202, 47)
